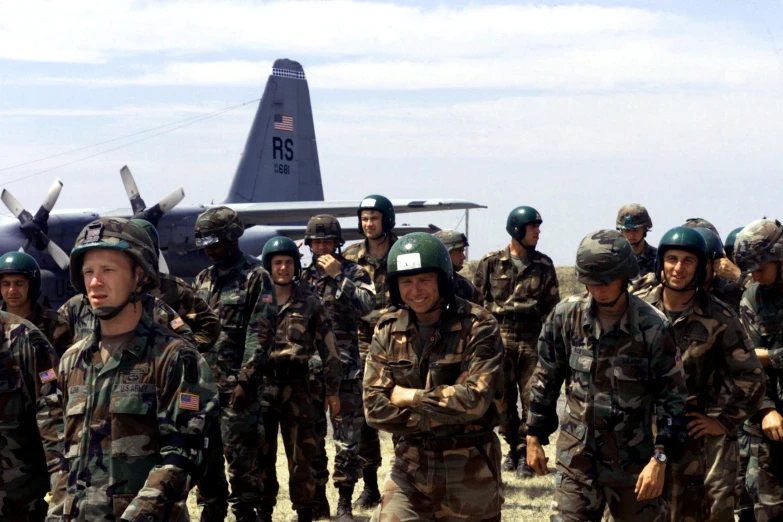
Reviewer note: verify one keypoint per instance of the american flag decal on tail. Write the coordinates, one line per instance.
(284, 123)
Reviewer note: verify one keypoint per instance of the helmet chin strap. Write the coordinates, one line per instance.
(691, 285)
(614, 301)
(107, 313)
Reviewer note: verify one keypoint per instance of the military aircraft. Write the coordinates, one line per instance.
(275, 190)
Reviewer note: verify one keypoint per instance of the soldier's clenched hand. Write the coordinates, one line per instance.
(402, 397)
(772, 425)
(650, 482)
(535, 456)
(703, 425)
(240, 399)
(725, 268)
(332, 403)
(330, 265)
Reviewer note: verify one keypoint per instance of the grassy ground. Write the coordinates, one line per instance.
(527, 500)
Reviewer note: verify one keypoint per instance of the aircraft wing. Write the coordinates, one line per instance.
(271, 213)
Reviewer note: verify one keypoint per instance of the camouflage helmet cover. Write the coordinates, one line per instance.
(115, 234)
(453, 239)
(218, 224)
(633, 215)
(417, 253)
(701, 223)
(281, 246)
(604, 256)
(381, 204)
(323, 226)
(759, 243)
(26, 265)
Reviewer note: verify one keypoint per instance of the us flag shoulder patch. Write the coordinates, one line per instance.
(188, 401)
(176, 323)
(267, 298)
(48, 376)
(677, 360)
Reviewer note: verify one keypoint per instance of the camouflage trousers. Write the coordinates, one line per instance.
(703, 480)
(370, 444)
(578, 502)
(347, 434)
(287, 407)
(213, 486)
(764, 478)
(458, 484)
(744, 507)
(521, 356)
(320, 462)
(243, 434)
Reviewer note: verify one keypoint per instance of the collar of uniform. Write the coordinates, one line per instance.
(142, 331)
(505, 254)
(233, 270)
(591, 324)
(450, 319)
(364, 250)
(701, 302)
(299, 293)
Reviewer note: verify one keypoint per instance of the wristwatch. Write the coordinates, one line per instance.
(339, 277)
(660, 457)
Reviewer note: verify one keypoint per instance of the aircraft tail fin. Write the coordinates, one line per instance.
(280, 160)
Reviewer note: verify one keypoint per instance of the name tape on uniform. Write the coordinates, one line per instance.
(409, 261)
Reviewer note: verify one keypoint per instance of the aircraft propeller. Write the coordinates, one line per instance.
(140, 210)
(36, 227)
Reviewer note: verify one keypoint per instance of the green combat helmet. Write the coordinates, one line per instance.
(728, 246)
(690, 240)
(122, 235)
(417, 253)
(453, 239)
(26, 265)
(700, 223)
(151, 231)
(218, 224)
(633, 215)
(758, 244)
(382, 205)
(323, 226)
(604, 256)
(715, 248)
(519, 218)
(281, 246)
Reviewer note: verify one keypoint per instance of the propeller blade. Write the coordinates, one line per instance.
(54, 193)
(163, 267)
(154, 213)
(137, 204)
(57, 253)
(12, 203)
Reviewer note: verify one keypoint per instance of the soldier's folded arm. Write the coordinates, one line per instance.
(670, 392)
(202, 319)
(481, 376)
(180, 433)
(547, 379)
(260, 335)
(379, 411)
(360, 291)
(745, 378)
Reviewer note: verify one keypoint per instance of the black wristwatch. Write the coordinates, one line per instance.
(660, 457)
(339, 277)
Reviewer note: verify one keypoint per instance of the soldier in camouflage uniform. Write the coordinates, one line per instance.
(347, 293)
(724, 268)
(456, 242)
(433, 378)
(20, 286)
(759, 250)
(620, 364)
(303, 329)
(240, 291)
(519, 286)
(137, 397)
(718, 286)
(31, 419)
(376, 222)
(633, 221)
(723, 376)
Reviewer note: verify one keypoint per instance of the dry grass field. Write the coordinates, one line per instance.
(526, 500)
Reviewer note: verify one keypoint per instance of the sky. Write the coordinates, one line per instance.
(572, 108)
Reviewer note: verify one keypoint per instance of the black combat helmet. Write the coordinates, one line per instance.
(519, 218)
(382, 205)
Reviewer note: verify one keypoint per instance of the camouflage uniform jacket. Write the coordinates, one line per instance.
(49, 322)
(614, 383)
(761, 313)
(345, 305)
(244, 299)
(646, 259)
(304, 330)
(78, 321)
(502, 290)
(196, 313)
(727, 291)
(134, 426)
(458, 373)
(722, 373)
(464, 288)
(31, 416)
(359, 253)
